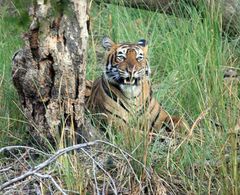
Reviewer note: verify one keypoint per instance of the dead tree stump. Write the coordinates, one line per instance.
(49, 71)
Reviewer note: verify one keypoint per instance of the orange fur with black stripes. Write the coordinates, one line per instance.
(123, 93)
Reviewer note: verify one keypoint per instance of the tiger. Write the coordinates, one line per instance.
(124, 91)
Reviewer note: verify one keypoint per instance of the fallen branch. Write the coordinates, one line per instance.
(45, 163)
(7, 148)
(35, 170)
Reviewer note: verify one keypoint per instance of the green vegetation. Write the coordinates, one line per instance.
(188, 58)
(12, 124)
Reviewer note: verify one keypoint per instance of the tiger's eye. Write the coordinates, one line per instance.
(120, 58)
(140, 58)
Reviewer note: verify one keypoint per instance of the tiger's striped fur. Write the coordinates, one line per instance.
(124, 91)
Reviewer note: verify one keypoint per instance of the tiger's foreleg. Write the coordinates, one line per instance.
(163, 123)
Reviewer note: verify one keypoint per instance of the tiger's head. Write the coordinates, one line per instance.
(126, 64)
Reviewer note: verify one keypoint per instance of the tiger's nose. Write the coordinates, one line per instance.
(131, 70)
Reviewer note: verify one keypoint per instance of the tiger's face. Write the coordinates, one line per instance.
(126, 64)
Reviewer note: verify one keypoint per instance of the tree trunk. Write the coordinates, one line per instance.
(230, 9)
(49, 72)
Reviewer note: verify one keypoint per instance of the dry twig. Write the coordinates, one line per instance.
(37, 168)
(34, 171)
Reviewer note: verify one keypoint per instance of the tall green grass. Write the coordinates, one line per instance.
(188, 57)
(12, 124)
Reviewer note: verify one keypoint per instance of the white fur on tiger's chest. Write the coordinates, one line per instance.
(131, 91)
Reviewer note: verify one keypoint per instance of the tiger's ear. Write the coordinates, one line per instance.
(144, 44)
(107, 43)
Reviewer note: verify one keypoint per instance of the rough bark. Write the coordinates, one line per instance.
(49, 72)
(230, 9)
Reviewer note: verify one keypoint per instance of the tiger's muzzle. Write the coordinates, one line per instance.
(131, 81)
(132, 77)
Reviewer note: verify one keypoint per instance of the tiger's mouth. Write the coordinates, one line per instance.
(131, 81)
